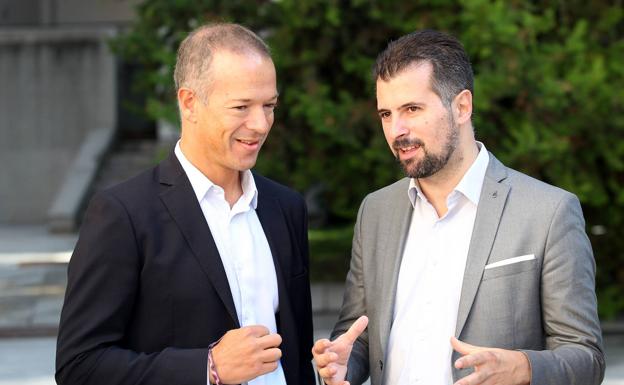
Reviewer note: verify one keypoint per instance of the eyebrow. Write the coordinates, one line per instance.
(402, 106)
(243, 100)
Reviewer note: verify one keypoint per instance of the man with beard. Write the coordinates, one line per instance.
(466, 271)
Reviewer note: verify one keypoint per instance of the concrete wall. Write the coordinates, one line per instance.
(59, 12)
(22, 12)
(56, 86)
(96, 11)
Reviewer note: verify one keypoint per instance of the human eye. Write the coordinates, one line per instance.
(240, 108)
(413, 108)
(270, 106)
(384, 114)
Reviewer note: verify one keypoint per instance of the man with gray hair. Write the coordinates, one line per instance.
(196, 271)
(465, 271)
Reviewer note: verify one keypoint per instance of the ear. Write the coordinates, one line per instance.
(462, 107)
(187, 103)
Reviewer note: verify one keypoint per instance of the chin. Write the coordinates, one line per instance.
(247, 165)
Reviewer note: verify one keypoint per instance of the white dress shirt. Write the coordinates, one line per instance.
(244, 251)
(430, 282)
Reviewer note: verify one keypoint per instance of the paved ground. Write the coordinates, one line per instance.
(32, 279)
(32, 282)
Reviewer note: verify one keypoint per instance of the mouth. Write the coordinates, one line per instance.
(409, 148)
(406, 152)
(250, 144)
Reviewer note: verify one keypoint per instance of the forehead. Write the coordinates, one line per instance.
(242, 75)
(412, 82)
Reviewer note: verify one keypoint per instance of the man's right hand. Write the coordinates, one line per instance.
(331, 357)
(246, 353)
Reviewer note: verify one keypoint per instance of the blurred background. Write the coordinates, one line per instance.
(87, 100)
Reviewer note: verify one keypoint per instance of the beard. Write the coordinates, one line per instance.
(431, 162)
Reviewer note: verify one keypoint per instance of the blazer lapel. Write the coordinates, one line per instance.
(399, 221)
(180, 200)
(276, 230)
(273, 223)
(489, 212)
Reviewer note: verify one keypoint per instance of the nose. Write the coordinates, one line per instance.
(260, 120)
(398, 127)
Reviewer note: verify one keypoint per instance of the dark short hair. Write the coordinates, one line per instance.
(452, 72)
(197, 49)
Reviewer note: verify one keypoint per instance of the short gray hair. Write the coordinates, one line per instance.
(195, 53)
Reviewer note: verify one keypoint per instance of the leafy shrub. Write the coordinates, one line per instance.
(548, 94)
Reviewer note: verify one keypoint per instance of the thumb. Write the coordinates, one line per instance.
(462, 347)
(355, 330)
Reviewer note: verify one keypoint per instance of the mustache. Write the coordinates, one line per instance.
(407, 142)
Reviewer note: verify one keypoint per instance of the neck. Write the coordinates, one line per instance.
(438, 186)
(230, 183)
(229, 180)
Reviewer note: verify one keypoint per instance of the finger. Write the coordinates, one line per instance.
(356, 329)
(257, 330)
(269, 341)
(327, 372)
(320, 346)
(474, 359)
(475, 378)
(268, 367)
(271, 355)
(462, 347)
(323, 360)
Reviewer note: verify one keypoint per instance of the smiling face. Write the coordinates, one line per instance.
(223, 134)
(418, 127)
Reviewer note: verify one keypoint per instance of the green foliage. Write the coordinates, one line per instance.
(331, 251)
(548, 94)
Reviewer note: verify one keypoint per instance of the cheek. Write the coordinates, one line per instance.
(228, 128)
(442, 128)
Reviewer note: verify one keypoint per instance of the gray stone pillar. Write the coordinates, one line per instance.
(57, 86)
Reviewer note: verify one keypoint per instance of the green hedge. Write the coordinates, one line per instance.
(548, 94)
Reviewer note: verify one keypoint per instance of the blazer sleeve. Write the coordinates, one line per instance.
(103, 283)
(574, 352)
(354, 306)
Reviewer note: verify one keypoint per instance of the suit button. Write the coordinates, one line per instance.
(380, 365)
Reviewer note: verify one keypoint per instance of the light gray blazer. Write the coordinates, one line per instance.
(545, 307)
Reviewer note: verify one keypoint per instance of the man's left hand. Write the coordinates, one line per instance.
(492, 366)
